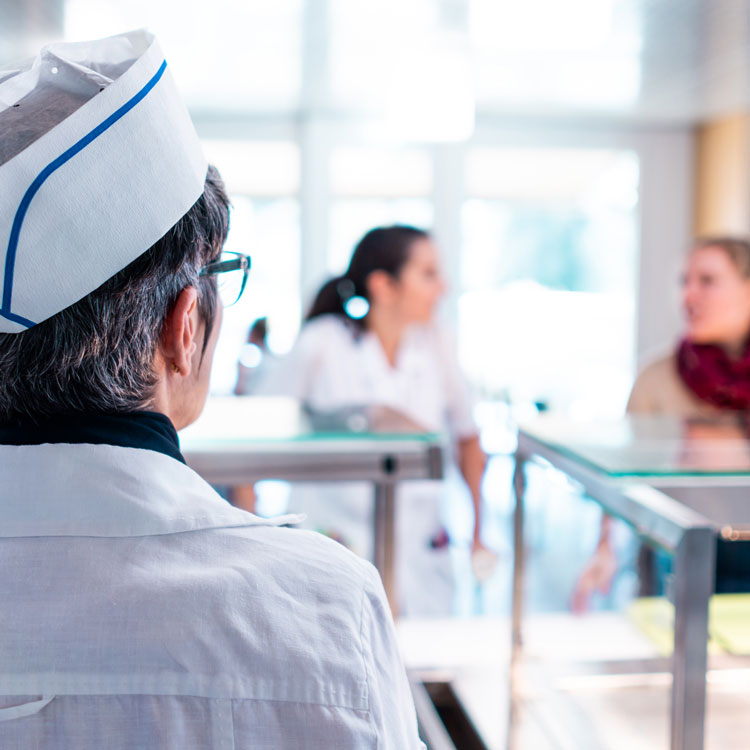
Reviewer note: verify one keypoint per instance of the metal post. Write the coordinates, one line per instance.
(519, 485)
(693, 585)
(431, 726)
(385, 543)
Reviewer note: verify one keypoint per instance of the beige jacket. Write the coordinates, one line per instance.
(658, 389)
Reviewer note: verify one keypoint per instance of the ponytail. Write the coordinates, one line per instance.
(381, 249)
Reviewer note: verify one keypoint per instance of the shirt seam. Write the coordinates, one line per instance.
(205, 523)
(365, 665)
(231, 699)
(231, 733)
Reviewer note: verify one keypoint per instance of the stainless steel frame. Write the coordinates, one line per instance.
(658, 519)
(431, 725)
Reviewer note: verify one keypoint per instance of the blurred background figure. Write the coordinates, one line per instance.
(706, 375)
(372, 338)
(709, 371)
(253, 360)
(251, 365)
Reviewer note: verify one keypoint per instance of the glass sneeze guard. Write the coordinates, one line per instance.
(234, 420)
(642, 446)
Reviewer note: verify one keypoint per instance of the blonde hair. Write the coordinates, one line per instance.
(736, 248)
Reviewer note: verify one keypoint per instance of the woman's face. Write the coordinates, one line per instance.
(715, 298)
(420, 285)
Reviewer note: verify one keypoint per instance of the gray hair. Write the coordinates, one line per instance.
(97, 355)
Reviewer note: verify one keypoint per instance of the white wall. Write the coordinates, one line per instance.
(666, 195)
(667, 177)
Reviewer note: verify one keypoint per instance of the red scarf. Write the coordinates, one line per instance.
(713, 377)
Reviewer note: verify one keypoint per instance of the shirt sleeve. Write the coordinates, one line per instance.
(390, 701)
(459, 399)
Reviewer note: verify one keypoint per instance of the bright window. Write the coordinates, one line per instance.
(586, 53)
(380, 172)
(369, 43)
(548, 269)
(259, 168)
(225, 55)
(375, 187)
(350, 219)
(263, 183)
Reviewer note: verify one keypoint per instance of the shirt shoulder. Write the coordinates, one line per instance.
(333, 631)
(274, 633)
(327, 330)
(319, 571)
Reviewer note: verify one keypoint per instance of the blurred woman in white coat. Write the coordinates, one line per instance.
(371, 338)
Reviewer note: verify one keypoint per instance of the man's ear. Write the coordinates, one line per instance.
(179, 335)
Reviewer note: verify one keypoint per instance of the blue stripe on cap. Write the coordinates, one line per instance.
(17, 319)
(10, 258)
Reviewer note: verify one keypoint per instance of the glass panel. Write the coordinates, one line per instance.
(650, 445)
(548, 264)
(350, 219)
(268, 230)
(228, 420)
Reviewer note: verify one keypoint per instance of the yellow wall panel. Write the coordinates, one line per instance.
(722, 202)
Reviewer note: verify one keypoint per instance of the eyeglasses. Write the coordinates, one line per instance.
(232, 270)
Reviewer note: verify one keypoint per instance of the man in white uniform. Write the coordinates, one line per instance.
(139, 610)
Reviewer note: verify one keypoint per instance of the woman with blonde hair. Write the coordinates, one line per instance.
(709, 371)
(706, 375)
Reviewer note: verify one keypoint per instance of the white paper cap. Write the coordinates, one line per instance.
(98, 160)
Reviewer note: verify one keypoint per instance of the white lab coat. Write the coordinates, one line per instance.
(139, 610)
(330, 367)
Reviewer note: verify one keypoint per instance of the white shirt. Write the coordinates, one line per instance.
(139, 610)
(332, 367)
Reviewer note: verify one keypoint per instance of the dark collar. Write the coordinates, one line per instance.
(149, 430)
